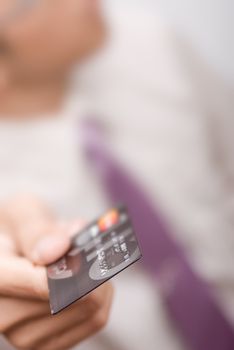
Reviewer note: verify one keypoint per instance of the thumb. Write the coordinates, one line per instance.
(48, 249)
(35, 231)
(43, 245)
(46, 245)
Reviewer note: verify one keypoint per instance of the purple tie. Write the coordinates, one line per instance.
(189, 299)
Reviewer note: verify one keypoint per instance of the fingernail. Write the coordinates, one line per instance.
(76, 226)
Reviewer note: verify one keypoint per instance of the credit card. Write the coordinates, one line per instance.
(100, 251)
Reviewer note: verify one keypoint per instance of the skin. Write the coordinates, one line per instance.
(38, 50)
(25, 318)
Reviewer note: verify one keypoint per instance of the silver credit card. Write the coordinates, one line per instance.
(104, 248)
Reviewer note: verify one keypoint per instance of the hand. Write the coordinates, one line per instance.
(25, 316)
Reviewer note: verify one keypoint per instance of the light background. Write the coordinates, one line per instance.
(207, 24)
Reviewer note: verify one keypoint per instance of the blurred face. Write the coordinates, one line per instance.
(46, 38)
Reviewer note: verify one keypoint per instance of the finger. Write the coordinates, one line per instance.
(41, 329)
(37, 331)
(48, 246)
(78, 333)
(7, 246)
(16, 311)
(54, 245)
(20, 278)
(35, 231)
(43, 243)
(75, 226)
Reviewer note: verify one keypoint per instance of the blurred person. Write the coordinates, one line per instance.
(140, 90)
(40, 41)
